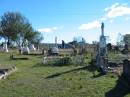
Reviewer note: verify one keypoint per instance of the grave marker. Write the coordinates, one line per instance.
(101, 62)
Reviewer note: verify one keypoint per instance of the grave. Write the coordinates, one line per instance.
(54, 50)
(25, 49)
(32, 47)
(101, 57)
(6, 71)
(5, 47)
(126, 68)
(64, 60)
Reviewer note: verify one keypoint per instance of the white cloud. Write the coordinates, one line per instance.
(117, 10)
(49, 30)
(88, 26)
(103, 19)
(55, 28)
(45, 30)
(113, 6)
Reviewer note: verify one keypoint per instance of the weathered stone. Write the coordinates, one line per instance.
(5, 72)
(26, 50)
(126, 67)
(53, 51)
(101, 58)
(5, 48)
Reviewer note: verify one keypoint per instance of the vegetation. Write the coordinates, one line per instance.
(15, 28)
(34, 79)
(63, 78)
(127, 39)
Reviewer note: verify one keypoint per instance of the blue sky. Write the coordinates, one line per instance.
(72, 18)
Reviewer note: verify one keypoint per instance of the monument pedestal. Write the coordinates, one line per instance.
(126, 69)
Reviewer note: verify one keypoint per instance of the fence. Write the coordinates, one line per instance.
(67, 60)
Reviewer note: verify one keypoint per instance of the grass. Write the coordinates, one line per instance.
(31, 80)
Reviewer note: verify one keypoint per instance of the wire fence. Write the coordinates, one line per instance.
(66, 60)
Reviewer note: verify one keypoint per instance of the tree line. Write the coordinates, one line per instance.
(16, 29)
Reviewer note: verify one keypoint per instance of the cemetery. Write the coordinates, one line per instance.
(31, 68)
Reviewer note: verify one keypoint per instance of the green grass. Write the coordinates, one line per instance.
(31, 80)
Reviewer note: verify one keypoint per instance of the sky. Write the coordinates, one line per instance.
(66, 19)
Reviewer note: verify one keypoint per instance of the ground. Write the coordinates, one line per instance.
(33, 79)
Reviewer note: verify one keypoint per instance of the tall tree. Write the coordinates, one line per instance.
(127, 39)
(79, 39)
(16, 28)
(25, 33)
(12, 23)
(9, 22)
(37, 38)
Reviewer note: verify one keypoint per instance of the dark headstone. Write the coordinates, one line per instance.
(126, 67)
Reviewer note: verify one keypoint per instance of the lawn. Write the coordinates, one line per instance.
(32, 79)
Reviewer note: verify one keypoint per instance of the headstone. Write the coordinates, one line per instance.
(126, 67)
(5, 48)
(26, 50)
(44, 52)
(44, 60)
(102, 52)
(54, 50)
(32, 47)
(63, 44)
(56, 41)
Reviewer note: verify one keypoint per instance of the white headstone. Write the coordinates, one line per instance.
(5, 48)
(44, 60)
(26, 50)
(56, 41)
(32, 47)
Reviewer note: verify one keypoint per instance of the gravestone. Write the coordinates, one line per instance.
(126, 73)
(63, 44)
(54, 50)
(126, 67)
(26, 49)
(32, 47)
(101, 60)
(45, 60)
(5, 47)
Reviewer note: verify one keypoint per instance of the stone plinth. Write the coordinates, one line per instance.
(126, 67)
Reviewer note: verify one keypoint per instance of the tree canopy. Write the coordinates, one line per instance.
(14, 27)
(79, 39)
(127, 39)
